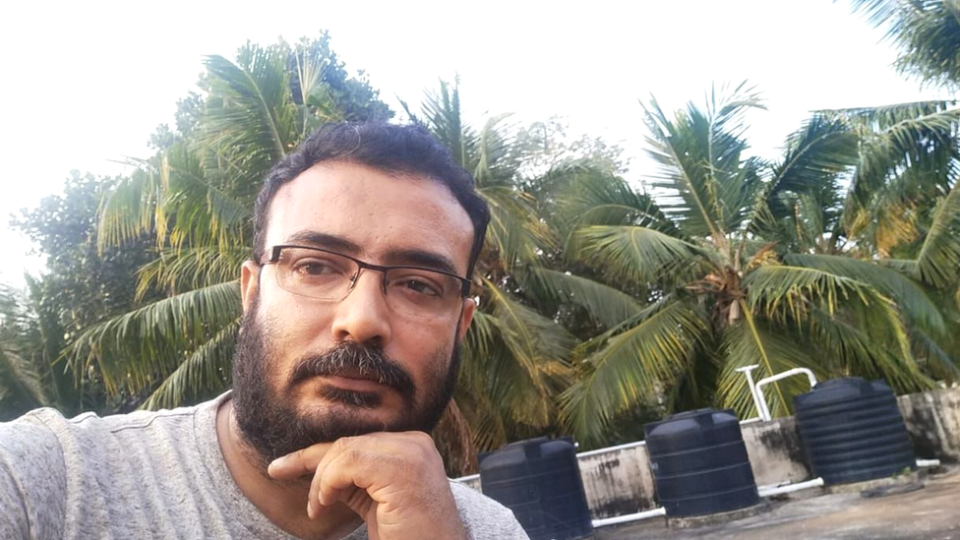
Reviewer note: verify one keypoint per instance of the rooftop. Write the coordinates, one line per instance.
(929, 513)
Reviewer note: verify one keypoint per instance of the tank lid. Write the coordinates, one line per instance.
(838, 390)
(696, 420)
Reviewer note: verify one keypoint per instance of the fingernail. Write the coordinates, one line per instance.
(310, 509)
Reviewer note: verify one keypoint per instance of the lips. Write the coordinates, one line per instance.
(353, 382)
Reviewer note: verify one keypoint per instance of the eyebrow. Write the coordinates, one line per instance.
(419, 257)
(323, 240)
(404, 257)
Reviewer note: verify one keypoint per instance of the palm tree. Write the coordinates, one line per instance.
(515, 358)
(197, 198)
(737, 261)
(927, 34)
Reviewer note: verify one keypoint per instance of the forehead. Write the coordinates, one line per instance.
(378, 211)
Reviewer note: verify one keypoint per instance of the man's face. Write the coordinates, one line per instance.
(296, 375)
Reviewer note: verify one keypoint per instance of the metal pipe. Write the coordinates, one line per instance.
(789, 488)
(624, 446)
(748, 372)
(924, 463)
(597, 523)
(762, 403)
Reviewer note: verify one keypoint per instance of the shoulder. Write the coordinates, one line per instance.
(485, 518)
(32, 477)
(29, 440)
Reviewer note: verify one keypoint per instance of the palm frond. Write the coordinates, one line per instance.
(597, 198)
(515, 233)
(638, 254)
(441, 114)
(876, 351)
(530, 336)
(607, 305)
(926, 32)
(186, 269)
(252, 108)
(131, 209)
(785, 293)
(202, 375)
(939, 256)
(133, 349)
(814, 157)
(204, 206)
(911, 299)
(699, 156)
(630, 367)
(753, 342)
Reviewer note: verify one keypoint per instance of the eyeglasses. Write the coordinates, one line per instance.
(330, 276)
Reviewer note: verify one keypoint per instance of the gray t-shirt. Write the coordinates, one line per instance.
(150, 475)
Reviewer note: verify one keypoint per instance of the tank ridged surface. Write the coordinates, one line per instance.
(852, 431)
(700, 463)
(539, 479)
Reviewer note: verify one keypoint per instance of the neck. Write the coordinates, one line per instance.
(283, 503)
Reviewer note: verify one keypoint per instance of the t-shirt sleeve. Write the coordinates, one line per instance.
(32, 482)
(484, 518)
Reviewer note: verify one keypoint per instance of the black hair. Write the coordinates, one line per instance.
(391, 148)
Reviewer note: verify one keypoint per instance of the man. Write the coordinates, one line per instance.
(355, 302)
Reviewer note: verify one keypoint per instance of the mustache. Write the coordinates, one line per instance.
(351, 359)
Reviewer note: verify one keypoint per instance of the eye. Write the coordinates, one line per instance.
(417, 285)
(307, 267)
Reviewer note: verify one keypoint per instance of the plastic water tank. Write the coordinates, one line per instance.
(539, 479)
(853, 431)
(700, 463)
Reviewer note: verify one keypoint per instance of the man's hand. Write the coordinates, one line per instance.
(394, 481)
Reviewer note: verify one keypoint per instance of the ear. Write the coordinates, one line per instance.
(466, 316)
(249, 283)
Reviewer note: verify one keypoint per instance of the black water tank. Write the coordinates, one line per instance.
(539, 479)
(700, 463)
(853, 431)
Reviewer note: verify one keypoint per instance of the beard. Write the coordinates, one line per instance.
(272, 423)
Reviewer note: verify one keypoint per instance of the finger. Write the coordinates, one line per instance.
(351, 469)
(299, 463)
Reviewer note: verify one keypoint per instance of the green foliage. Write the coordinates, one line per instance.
(739, 261)
(926, 32)
(600, 303)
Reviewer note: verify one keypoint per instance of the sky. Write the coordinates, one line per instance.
(84, 84)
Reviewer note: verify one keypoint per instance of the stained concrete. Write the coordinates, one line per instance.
(932, 513)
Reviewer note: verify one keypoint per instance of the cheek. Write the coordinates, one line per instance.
(425, 349)
(290, 332)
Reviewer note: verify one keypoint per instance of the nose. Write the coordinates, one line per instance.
(363, 316)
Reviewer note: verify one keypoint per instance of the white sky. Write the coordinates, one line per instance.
(85, 83)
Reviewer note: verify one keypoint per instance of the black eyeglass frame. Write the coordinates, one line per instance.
(361, 265)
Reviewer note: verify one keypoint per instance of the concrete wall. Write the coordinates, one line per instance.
(618, 480)
(933, 419)
(775, 451)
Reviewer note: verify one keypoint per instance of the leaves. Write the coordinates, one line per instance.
(135, 349)
(926, 33)
(910, 297)
(699, 155)
(939, 256)
(636, 253)
(626, 366)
